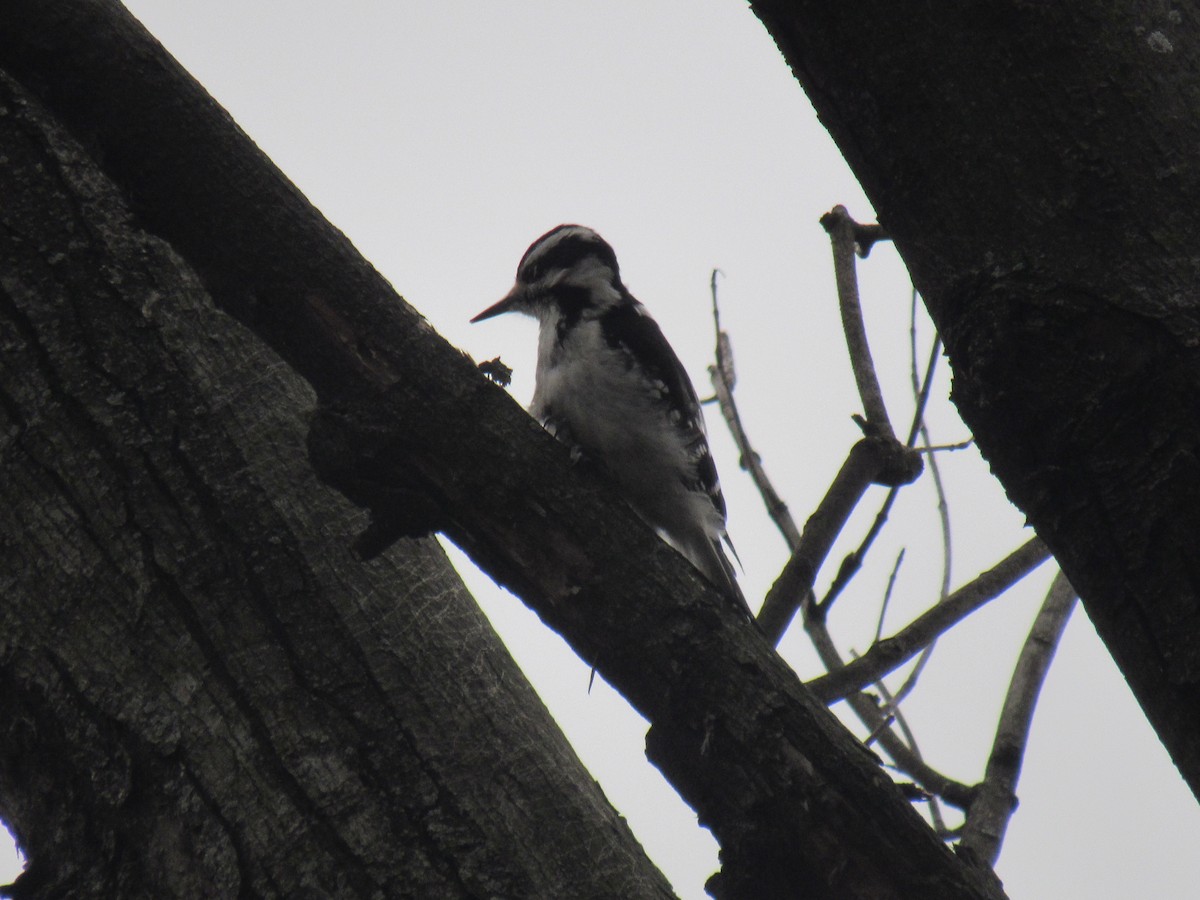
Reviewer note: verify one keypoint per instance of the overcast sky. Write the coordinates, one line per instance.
(443, 137)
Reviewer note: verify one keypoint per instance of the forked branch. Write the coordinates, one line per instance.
(877, 458)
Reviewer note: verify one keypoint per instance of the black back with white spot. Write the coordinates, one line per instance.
(629, 328)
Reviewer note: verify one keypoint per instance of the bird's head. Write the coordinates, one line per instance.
(568, 270)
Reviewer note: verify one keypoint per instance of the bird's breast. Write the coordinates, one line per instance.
(612, 412)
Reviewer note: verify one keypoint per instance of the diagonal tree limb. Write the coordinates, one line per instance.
(996, 798)
(795, 582)
(891, 652)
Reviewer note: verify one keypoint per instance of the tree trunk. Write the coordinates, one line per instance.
(202, 693)
(1035, 164)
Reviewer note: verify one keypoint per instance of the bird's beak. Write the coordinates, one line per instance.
(507, 302)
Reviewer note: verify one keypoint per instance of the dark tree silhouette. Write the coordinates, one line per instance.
(407, 426)
(204, 692)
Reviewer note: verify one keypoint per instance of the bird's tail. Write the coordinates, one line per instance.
(716, 567)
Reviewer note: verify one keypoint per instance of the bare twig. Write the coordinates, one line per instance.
(866, 709)
(867, 236)
(886, 655)
(893, 704)
(887, 594)
(938, 448)
(996, 801)
(852, 562)
(723, 376)
(921, 395)
(910, 681)
(843, 237)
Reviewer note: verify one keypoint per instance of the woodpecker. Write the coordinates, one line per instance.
(609, 385)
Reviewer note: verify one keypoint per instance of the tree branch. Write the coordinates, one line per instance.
(878, 726)
(996, 798)
(891, 652)
(795, 582)
(920, 389)
(853, 561)
(843, 237)
(723, 375)
(892, 706)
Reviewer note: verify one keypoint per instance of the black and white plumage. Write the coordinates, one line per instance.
(609, 384)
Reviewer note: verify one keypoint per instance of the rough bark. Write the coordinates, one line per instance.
(1035, 164)
(202, 693)
(411, 429)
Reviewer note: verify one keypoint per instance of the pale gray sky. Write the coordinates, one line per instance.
(443, 137)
